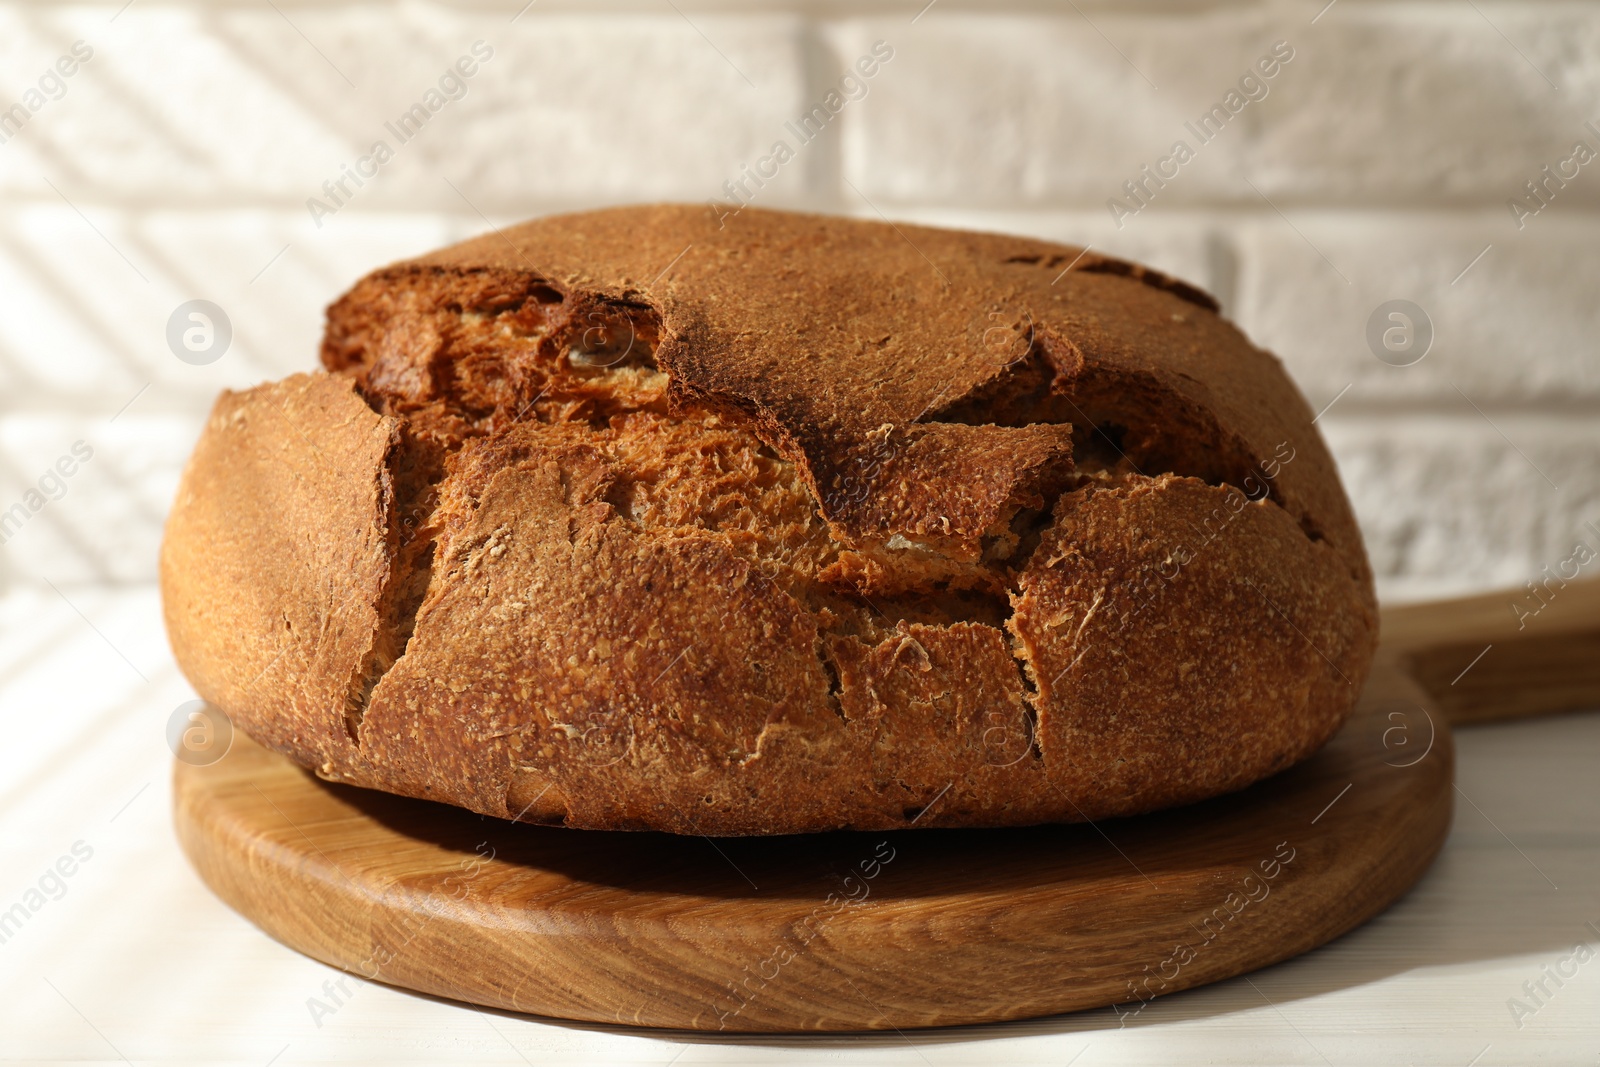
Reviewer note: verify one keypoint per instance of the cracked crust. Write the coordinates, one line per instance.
(621, 520)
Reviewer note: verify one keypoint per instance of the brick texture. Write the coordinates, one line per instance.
(1430, 103)
(1517, 325)
(255, 103)
(1449, 505)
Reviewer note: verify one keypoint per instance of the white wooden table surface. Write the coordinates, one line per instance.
(131, 957)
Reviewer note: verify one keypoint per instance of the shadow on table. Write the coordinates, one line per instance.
(1475, 904)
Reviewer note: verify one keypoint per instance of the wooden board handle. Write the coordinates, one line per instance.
(1503, 655)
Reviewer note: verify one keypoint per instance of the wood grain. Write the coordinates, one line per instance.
(1503, 655)
(833, 931)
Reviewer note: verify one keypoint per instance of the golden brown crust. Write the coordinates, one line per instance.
(625, 520)
(275, 558)
(1205, 625)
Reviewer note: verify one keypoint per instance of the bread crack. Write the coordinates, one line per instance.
(412, 472)
(1030, 687)
(493, 354)
(1123, 426)
(831, 669)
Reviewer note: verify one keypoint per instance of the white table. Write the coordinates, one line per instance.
(132, 957)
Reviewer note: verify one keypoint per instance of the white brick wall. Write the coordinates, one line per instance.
(177, 164)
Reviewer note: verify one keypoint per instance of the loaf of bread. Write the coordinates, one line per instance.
(635, 519)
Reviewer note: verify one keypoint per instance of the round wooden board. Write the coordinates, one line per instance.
(843, 931)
